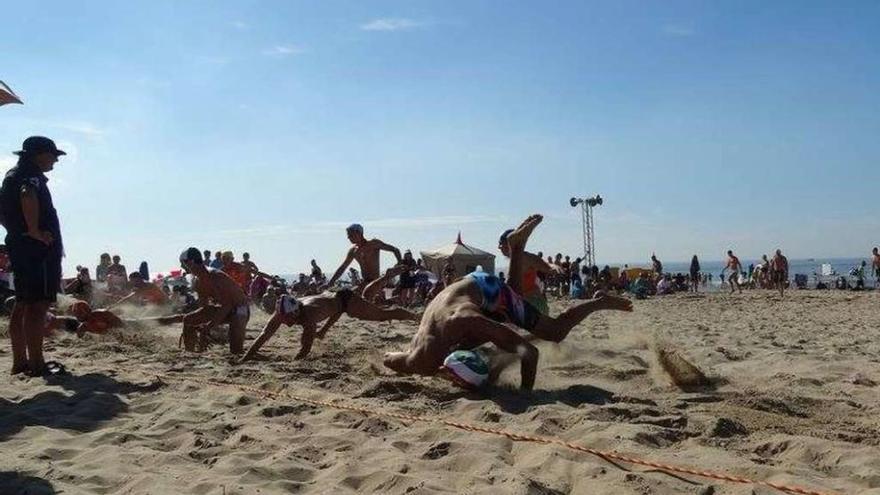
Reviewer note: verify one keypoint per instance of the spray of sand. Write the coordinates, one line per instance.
(679, 369)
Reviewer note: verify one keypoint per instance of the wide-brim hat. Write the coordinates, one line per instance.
(35, 145)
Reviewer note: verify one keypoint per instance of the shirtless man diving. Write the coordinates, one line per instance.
(466, 314)
(312, 310)
(366, 253)
(221, 301)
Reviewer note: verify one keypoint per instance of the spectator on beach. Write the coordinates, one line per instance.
(217, 262)
(735, 267)
(695, 273)
(641, 287)
(270, 298)
(81, 286)
(249, 265)
(33, 238)
(407, 281)
(875, 264)
(117, 268)
(656, 266)
(623, 279)
(860, 276)
(664, 286)
(103, 267)
(779, 269)
(317, 273)
(207, 257)
(235, 270)
(354, 277)
(144, 270)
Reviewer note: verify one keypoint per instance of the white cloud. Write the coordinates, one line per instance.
(240, 25)
(80, 127)
(392, 24)
(678, 30)
(284, 50)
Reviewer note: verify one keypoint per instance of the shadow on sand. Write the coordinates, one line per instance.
(95, 399)
(515, 402)
(14, 483)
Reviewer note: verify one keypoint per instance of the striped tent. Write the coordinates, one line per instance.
(7, 95)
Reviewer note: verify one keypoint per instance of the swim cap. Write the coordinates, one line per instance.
(503, 238)
(288, 304)
(355, 227)
(192, 254)
(468, 368)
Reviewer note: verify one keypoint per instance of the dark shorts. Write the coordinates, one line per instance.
(36, 270)
(407, 281)
(343, 296)
(780, 277)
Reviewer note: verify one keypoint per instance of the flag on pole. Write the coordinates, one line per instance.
(7, 95)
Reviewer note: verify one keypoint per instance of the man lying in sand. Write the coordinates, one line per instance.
(143, 293)
(83, 319)
(366, 252)
(312, 310)
(479, 309)
(221, 301)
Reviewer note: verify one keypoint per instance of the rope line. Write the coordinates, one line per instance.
(518, 437)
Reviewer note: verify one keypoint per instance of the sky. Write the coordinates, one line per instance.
(269, 126)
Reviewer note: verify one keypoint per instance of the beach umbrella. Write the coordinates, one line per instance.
(7, 95)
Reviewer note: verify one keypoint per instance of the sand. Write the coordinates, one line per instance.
(793, 399)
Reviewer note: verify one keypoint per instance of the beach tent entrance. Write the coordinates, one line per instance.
(464, 258)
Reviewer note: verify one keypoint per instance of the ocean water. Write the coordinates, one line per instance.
(809, 267)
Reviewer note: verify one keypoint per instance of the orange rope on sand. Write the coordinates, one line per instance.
(513, 436)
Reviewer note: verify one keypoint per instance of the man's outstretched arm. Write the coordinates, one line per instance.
(339, 271)
(391, 249)
(267, 333)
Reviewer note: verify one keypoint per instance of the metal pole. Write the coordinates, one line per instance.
(591, 237)
(584, 229)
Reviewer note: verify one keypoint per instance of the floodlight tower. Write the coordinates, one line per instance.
(587, 205)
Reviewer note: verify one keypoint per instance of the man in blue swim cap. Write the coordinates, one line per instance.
(479, 309)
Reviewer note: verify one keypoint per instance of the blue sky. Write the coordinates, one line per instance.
(269, 126)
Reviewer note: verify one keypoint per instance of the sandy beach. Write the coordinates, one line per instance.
(794, 401)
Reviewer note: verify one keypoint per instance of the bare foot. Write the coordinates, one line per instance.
(19, 368)
(517, 239)
(616, 303)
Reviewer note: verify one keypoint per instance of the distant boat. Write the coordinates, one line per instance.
(811, 259)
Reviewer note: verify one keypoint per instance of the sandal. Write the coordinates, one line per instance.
(54, 368)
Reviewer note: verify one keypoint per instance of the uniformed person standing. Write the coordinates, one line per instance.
(33, 237)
